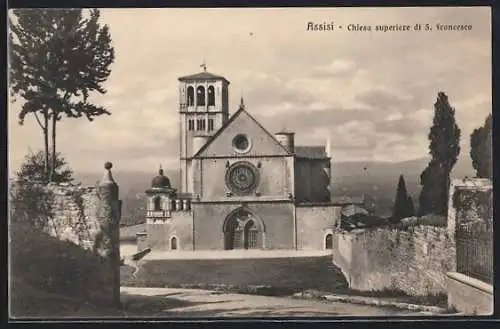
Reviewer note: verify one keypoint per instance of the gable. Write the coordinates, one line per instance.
(262, 143)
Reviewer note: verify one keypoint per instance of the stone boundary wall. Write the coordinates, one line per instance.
(88, 217)
(414, 260)
(75, 214)
(462, 209)
(468, 295)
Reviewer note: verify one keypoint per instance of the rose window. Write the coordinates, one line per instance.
(242, 178)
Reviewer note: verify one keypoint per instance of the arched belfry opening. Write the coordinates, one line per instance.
(211, 96)
(243, 230)
(190, 96)
(200, 96)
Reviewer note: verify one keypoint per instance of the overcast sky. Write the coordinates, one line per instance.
(372, 93)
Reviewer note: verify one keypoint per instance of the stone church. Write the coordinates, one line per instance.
(241, 187)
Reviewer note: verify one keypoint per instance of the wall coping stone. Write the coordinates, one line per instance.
(475, 283)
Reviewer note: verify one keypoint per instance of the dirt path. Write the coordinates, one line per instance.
(167, 302)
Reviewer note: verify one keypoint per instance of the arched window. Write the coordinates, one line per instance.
(251, 235)
(211, 96)
(329, 241)
(157, 203)
(241, 231)
(190, 96)
(173, 243)
(200, 96)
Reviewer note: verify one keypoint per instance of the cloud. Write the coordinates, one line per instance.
(337, 68)
(371, 93)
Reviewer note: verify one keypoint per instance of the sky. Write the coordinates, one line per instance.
(370, 93)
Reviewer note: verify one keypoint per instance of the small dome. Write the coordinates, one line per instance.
(161, 180)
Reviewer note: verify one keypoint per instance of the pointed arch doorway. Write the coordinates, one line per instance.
(243, 230)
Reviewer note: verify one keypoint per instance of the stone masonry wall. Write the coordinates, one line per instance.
(86, 217)
(414, 260)
(74, 214)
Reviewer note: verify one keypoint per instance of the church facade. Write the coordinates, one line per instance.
(242, 187)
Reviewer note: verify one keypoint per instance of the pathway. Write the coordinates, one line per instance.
(168, 302)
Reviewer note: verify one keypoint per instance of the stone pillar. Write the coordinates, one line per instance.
(186, 204)
(142, 241)
(178, 204)
(107, 243)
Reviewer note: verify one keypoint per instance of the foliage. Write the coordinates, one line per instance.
(32, 169)
(52, 278)
(403, 204)
(481, 148)
(444, 137)
(57, 57)
(81, 227)
(470, 205)
(32, 204)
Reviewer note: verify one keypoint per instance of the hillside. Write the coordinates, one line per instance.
(378, 182)
(53, 278)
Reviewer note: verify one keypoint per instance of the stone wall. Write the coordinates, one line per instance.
(314, 223)
(414, 260)
(470, 200)
(180, 226)
(85, 218)
(468, 295)
(74, 214)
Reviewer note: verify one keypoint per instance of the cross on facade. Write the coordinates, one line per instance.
(204, 65)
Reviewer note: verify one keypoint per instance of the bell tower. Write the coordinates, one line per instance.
(203, 109)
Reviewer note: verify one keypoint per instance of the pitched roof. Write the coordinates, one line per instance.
(311, 152)
(202, 76)
(231, 119)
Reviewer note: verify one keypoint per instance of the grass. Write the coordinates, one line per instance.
(285, 274)
(49, 277)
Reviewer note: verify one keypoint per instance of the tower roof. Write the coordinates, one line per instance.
(160, 181)
(202, 76)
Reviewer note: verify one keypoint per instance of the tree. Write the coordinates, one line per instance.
(444, 137)
(33, 169)
(403, 204)
(480, 149)
(30, 202)
(57, 58)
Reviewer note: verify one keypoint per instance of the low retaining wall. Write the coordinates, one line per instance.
(468, 295)
(412, 260)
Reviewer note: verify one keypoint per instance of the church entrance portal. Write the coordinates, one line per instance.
(242, 231)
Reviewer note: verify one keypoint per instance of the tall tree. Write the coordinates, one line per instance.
(57, 58)
(444, 148)
(32, 169)
(403, 204)
(480, 149)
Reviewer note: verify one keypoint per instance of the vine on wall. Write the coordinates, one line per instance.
(473, 205)
(80, 225)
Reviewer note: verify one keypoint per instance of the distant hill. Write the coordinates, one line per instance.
(378, 181)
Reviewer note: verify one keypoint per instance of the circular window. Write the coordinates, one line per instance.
(241, 143)
(242, 178)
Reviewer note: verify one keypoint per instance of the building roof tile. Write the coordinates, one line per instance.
(202, 76)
